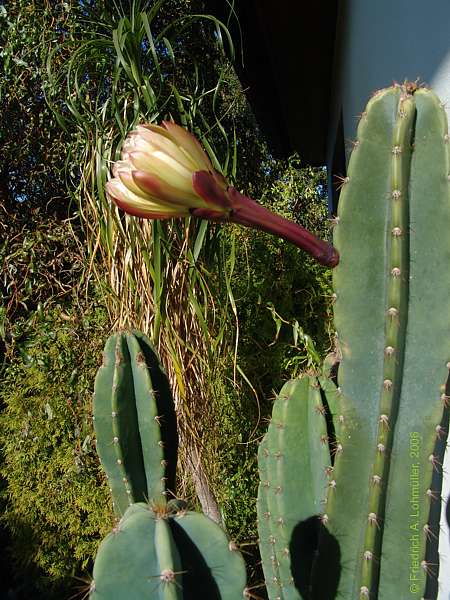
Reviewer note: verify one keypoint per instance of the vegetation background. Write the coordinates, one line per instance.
(233, 312)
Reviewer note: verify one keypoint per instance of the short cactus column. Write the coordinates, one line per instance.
(155, 553)
(135, 422)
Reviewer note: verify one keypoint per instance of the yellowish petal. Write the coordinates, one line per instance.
(120, 193)
(189, 142)
(158, 188)
(126, 178)
(117, 189)
(166, 145)
(165, 167)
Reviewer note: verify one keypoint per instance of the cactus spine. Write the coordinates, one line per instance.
(392, 317)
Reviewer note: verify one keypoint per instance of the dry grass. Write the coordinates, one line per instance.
(152, 273)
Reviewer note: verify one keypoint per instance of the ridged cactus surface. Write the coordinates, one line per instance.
(156, 554)
(387, 418)
(135, 422)
(392, 316)
(293, 452)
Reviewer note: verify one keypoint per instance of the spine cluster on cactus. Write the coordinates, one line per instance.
(386, 419)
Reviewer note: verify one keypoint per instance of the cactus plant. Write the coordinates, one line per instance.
(135, 422)
(160, 554)
(158, 549)
(298, 406)
(377, 531)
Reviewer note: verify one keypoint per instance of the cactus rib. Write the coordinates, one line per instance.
(135, 422)
(297, 422)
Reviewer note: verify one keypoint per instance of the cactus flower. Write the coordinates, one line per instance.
(165, 173)
(154, 178)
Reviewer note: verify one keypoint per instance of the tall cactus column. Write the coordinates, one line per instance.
(386, 419)
(392, 315)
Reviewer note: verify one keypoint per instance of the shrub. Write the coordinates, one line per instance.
(56, 503)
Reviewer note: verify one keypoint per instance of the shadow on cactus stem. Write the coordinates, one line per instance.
(303, 548)
(197, 579)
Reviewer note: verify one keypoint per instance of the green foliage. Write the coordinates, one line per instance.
(56, 501)
(39, 261)
(280, 294)
(32, 159)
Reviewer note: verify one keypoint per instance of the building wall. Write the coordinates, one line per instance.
(385, 41)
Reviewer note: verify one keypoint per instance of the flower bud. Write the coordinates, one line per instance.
(165, 173)
(154, 178)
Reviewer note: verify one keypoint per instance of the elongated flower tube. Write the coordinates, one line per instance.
(165, 173)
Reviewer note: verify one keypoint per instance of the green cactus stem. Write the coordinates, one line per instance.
(135, 423)
(388, 411)
(392, 301)
(157, 554)
(294, 449)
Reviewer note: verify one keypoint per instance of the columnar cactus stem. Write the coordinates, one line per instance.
(135, 422)
(287, 450)
(377, 291)
(388, 418)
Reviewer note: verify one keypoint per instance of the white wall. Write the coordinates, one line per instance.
(383, 41)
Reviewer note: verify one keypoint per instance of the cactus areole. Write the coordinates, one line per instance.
(387, 421)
